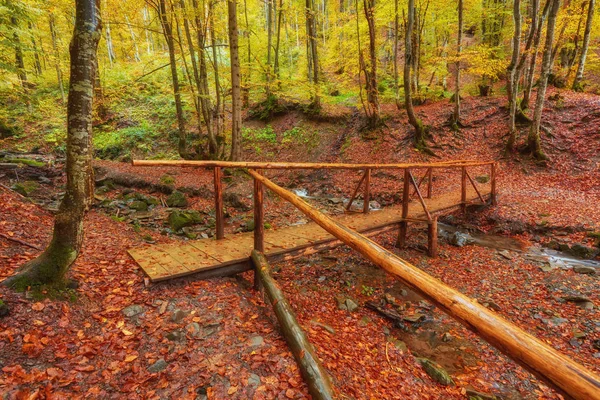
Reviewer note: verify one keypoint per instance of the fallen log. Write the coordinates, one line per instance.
(319, 385)
(551, 366)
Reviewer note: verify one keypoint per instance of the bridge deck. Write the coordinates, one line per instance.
(210, 257)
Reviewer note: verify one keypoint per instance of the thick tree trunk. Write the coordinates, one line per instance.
(371, 72)
(269, 47)
(577, 83)
(536, 44)
(534, 139)
(218, 110)
(396, 50)
(168, 33)
(419, 138)
(57, 57)
(513, 78)
(52, 265)
(456, 115)
(278, 40)
(236, 104)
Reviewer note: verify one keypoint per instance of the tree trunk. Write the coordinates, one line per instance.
(456, 115)
(419, 138)
(269, 46)
(109, 45)
(168, 33)
(513, 79)
(532, 64)
(37, 65)
(313, 63)
(236, 105)
(218, 112)
(534, 140)
(248, 69)
(396, 50)
(278, 40)
(136, 55)
(19, 63)
(371, 72)
(57, 57)
(577, 83)
(52, 265)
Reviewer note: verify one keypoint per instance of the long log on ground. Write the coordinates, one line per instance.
(300, 165)
(556, 369)
(315, 376)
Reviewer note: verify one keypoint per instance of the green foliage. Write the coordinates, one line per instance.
(266, 134)
(167, 180)
(367, 290)
(300, 136)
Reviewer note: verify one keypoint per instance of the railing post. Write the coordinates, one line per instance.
(429, 182)
(493, 184)
(401, 241)
(463, 190)
(219, 204)
(432, 236)
(367, 195)
(259, 218)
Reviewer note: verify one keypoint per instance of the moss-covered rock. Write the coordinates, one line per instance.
(138, 205)
(482, 178)
(579, 250)
(181, 219)
(177, 199)
(25, 188)
(436, 372)
(167, 180)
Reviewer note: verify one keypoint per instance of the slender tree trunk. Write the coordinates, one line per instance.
(371, 73)
(136, 55)
(456, 115)
(57, 57)
(513, 79)
(269, 47)
(37, 65)
(149, 37)
(419, 138)
(109, 44)
(168, 33)
(19, 63)
(313, 64)
(396, 50)
(278, 39)
(218, 113)
(236, 105)
(577, 83)
(248, 70)
(532, 64)
(52, 265)
(534, 139)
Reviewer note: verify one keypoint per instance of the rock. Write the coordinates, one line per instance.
(341, 303)
(324, 326)
(180, 219)
(138, 205)
(175, 336)
(596, 344)
(460, 239)
(25, 188)
(574, 342)
(248, 226)
(506, 254)
(579, 335)
(4, 310)
(586, 305)
(582, 269)
(579, 250)
(178, 316)
(132, 310)
(254, 380)
(233, 199)
(416, 317)
(193, 329)
(177, 199)
(489, 303)
(446, 337)
(256, 341)
(351, 305)
(158, 366)
(559, 321)
(436, 372)
(576, 299)
(482, 178)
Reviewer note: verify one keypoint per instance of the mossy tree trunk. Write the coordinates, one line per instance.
(236, 93)
(52, 265)
(419, 138)
(312, 53)
(373, 114)
(534, 140)
(456, 115)
(512, 87)
(577, 85)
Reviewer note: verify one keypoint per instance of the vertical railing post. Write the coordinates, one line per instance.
(367, 194)
(429, 182)
(259, 219)
(463, 190)
(220, 228)
(401, 241)
(493, 183)
(432, 236)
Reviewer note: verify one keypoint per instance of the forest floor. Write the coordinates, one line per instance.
(118, 337)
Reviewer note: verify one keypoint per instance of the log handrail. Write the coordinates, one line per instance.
(556, 369)
(301, 165)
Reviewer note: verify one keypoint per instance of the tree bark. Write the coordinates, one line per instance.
(371, 72)
(534, 140)
(532, 64)
(456, 115)
(313, 56)
(236, 104)
(419, 138)
(577, 83)
(513, 78)
(52, 265)
(168, 33)
(218, 112)
(396, 50)
(19, 63)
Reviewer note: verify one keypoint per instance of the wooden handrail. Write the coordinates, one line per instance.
(548, 364)
(300, 165)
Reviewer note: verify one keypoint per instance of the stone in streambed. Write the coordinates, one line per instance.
(181, 219)
(582, 269)
(436, 372)
(158, 366)
(177, 199)
(132, 310)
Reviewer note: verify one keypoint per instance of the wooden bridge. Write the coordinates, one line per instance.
(225, 256)
(229, 255)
